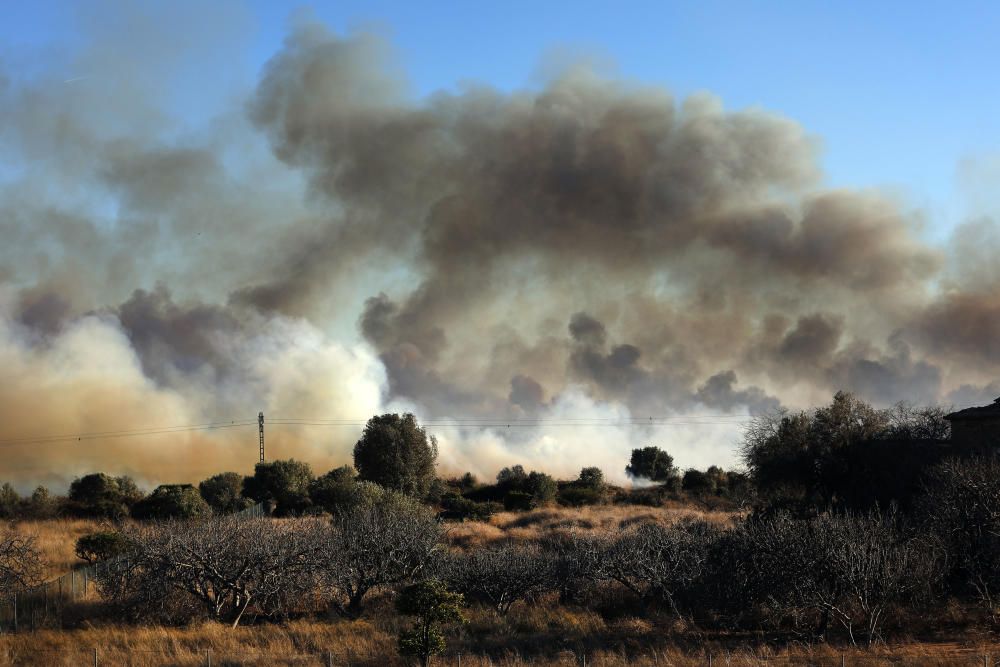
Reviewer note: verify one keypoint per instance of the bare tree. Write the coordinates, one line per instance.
(225, 564)
(501, 575)
(21, 563)
(659, 562)
(385, 540)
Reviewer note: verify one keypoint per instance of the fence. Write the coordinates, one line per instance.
(45, 605)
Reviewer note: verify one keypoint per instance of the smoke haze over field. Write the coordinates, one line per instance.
(325, 245)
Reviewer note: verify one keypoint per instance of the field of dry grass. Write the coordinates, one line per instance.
(56, 541)
(370, 643)
(595, 519)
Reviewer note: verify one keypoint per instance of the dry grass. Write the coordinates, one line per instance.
(56, 539)
(596, 519)
(367, 644)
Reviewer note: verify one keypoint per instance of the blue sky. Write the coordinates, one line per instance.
(903, 96)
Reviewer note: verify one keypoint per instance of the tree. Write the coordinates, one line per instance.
(542, 487)
(383, 539)
(99, 546)
(698, 482)
(224, 564)
(336, 490)
(41, 504)
(98, 494)
(433, 605)
(591, 478)
(512, 478)
(651, 463)
(224, 493)
(501, 575)
(171, 501)
(21, 563)
(395, 452)
(284, 483)
(10, 502)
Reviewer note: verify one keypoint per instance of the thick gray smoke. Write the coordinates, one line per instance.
(322, 244)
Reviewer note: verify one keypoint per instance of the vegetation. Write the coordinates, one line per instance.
(787, 551)
(396, 453)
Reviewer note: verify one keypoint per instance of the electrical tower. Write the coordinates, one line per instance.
(260, 428)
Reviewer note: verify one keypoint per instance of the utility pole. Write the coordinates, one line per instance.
(260, 428)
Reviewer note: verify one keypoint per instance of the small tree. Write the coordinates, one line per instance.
(104, 545)
(336, 490)
(21, 563)
(591, 478)
(395, 452)
(542, 487)
(698, 482)
(10, 502)
(651, 463)
(433, 605)
(285, 483)
(224, 493)
(171, 501)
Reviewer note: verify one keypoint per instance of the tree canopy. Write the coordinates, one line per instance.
(396, 453)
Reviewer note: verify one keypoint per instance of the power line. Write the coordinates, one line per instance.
(131, 433)
(484, 423)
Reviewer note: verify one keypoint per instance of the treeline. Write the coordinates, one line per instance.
(395, 453)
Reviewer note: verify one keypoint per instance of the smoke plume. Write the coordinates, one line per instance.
(320, 243)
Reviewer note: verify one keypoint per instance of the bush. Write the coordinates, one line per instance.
(578, 496)
(284, 483)
(518, 501)
(101, 495)
(171, 501)
(336, 490)
(224, 493)
(100, 546)
(651, 463)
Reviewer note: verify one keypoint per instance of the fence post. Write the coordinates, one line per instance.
(460, 659)
(208, 657)
(329, 659)
(709, 659)
(15, 612)
(95, 657)
(843, 660)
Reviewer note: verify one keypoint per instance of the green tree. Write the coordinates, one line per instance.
(651, 463)
(591, 478)
(224, 493)
(542, 487)
(10, 501)
(512, 478)
(41, 504)
(284, 483)
(433, 606)
(171, 501)
(103, 545)
(98, 494)
(395, 452)
(698, 482)
(336, 490)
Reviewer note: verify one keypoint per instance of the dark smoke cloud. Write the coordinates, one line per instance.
(331, 245)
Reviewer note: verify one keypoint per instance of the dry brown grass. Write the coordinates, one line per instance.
(56, 539)
(367, 643)
(593, 519)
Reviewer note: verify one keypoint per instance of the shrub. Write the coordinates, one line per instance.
(395, 452)
(100, 546)
(171, 501)
(224, 493)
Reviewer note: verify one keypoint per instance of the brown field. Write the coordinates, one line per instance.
(595, 519)
(544, 638)
(56, 540)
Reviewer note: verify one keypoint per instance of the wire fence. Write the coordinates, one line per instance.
(46, 605)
